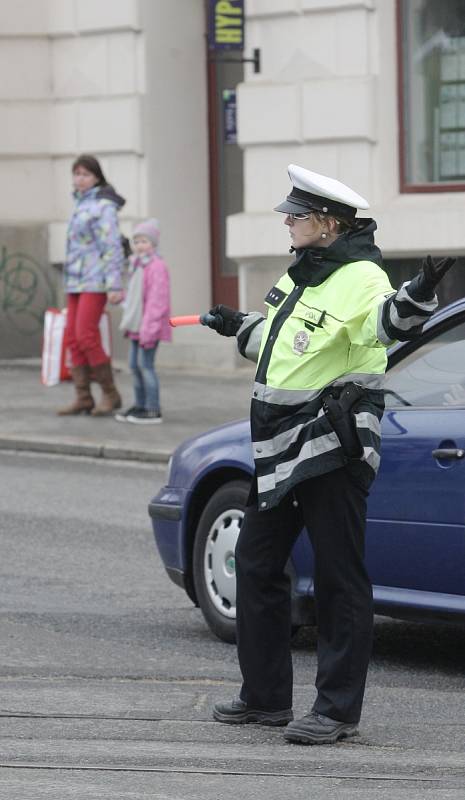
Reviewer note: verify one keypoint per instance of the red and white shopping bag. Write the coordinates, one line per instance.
(56, 358)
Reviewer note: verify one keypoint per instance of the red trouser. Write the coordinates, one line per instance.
(82, 328)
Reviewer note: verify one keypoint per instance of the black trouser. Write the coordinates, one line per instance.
(333, 509)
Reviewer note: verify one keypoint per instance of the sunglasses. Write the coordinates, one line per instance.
(295, 217)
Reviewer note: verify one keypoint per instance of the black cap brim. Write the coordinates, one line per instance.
(300, 202)
(290, 207)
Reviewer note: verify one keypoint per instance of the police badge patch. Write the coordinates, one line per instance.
(301, 342)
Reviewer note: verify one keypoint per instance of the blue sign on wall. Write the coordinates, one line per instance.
(229, 116)
(226, 24)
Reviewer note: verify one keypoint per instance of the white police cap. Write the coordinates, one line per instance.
(311, 191)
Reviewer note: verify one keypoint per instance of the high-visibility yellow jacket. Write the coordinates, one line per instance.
(328, 324)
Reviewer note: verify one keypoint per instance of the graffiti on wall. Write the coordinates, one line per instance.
(25, 292)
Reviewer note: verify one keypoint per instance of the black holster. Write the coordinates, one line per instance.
(338, 406)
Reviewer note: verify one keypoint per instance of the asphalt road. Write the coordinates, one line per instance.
(108, 673)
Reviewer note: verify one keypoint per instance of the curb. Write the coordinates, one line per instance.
(112, 452)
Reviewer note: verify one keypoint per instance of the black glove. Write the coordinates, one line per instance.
(226, 321)
(423, 286)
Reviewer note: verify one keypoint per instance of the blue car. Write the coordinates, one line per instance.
(415, 546)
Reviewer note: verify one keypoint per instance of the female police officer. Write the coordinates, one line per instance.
(315, 422)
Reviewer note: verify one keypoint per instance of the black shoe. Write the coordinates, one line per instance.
(143, 416)
(316, 729)
(237, 712)
(122, 416)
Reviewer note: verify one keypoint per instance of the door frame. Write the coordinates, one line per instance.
(224, 288)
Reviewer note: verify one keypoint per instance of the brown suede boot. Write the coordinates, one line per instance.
(111, 398)
(84, 402)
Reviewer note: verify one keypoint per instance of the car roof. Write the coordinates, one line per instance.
(451, 310)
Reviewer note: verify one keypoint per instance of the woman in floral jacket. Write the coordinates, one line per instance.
(92, 275)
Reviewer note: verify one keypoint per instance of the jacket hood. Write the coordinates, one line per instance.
(108, 193)
(314, 264)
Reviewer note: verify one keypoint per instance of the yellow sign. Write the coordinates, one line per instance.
(227, 22)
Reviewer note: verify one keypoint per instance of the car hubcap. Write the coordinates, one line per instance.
(220, 563)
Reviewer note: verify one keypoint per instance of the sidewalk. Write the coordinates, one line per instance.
(191, 403)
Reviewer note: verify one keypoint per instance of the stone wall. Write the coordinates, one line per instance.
(28, 285)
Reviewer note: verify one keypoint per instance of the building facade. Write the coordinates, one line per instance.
(125, 80)
(371, 92)
(365, 91)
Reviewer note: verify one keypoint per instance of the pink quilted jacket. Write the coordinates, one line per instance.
(155, 304)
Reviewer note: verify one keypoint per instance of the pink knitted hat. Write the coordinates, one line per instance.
(149, 228)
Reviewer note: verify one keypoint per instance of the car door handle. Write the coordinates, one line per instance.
(452, 452)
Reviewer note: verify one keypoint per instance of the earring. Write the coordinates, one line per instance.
(324, 235)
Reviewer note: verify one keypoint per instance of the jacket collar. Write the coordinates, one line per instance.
(91, 193)
(313, 265)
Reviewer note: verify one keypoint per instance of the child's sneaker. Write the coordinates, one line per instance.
(123, 416)
(145, 417)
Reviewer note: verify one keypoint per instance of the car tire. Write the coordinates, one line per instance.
(213, 558)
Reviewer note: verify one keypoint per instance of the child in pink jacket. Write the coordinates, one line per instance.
(146, 322)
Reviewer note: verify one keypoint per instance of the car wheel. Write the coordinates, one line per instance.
(213, 560)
